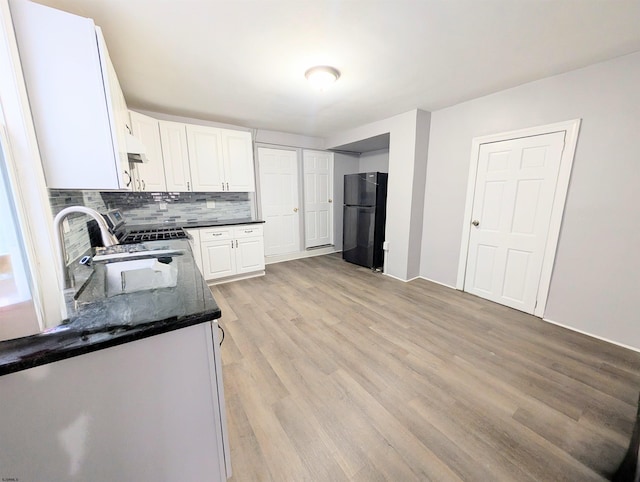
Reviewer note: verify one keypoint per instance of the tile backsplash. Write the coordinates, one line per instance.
(180, 207)
(147, 208)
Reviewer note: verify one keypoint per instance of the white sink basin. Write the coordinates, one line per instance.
(138, 275)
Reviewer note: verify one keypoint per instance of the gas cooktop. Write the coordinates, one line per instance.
(116, 222)
(151, 234)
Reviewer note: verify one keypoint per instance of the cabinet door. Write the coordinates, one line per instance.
(249, 255)
(205, 158)
(151, 172)
(173, 137)
(63, 74)
(218, 259)
(118, 114)
(237, 152)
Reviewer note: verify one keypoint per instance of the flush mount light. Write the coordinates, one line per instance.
(322, 76)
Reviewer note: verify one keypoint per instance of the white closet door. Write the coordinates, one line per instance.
(515, 187)
(318, 198)
(279, 198)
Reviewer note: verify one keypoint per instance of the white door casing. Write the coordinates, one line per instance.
(318, 198)
(279, 199)
(517, 189)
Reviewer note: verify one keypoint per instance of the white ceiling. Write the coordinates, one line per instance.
(243, 61)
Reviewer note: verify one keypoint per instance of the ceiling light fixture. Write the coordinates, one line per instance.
(322, 76)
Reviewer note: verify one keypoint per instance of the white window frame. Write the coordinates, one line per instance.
(26, 175)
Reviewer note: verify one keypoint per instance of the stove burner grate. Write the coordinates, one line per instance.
(158, 234)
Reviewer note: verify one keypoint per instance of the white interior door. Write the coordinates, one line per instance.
(513, 199)
(279, 199)
(318, 198)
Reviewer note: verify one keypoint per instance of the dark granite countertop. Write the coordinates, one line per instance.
(97, 321)
(195, 224)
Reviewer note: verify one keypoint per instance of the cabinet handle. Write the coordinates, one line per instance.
(129, 176)
(227, 186)
(236, 243)
(232, 244)
(144, 186)
(138, 181)
(216, 234)
(188, 186)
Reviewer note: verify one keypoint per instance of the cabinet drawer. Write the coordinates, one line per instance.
(213, 234)
(247, 231)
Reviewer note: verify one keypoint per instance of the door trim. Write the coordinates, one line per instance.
(571, 129)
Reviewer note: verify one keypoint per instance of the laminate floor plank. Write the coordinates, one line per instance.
(335, 373)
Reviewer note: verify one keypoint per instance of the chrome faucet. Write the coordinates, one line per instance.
(108, 239)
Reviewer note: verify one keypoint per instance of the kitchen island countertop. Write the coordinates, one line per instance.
(96, 322)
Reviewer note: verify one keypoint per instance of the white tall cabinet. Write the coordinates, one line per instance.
(148, 175)
(75, 98)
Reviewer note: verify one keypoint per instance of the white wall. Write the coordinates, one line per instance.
(597, 268)
(409, 133)
(342, 164)
(374, 161)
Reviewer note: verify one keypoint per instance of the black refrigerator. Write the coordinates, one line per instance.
(365, 209)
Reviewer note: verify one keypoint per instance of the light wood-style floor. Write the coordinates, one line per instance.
(335, 373)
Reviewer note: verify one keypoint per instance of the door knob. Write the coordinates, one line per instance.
(330, 200)
(295, 210)
(475, 222)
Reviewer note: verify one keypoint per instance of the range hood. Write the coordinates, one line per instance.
(135, 149)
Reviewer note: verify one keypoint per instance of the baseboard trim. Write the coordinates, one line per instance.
(239, 277)
(400, 279)
(300, 254)
(437, 282)
(632, 348)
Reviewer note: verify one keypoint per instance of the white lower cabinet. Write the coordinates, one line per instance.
(232, 251)
(148, 410)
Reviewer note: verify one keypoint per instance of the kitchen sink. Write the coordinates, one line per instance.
(120, 272)
(139, 275)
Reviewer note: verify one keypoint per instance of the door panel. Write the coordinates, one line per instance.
(151, 172)
(205, 158)
(358, 235)
(238, 160)
(318, 198)
(218, 259)
(173, 137)
(279, 199)
(515, 187)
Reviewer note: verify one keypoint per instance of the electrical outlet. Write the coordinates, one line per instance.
(162, 206)
(65, 225)
(211, 204)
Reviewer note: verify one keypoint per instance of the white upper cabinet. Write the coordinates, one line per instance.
(220, 159)
(205, 158)
(75, 98)
(237, 153)
(173, 136)
(149, 174)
